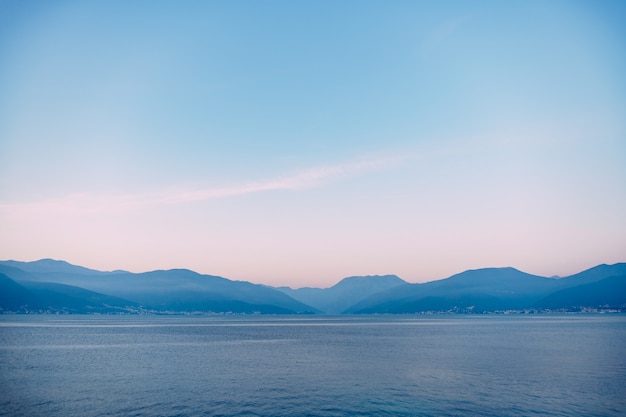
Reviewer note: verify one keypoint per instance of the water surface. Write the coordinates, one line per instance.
(313, 366)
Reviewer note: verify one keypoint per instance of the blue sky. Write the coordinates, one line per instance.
(300, 142)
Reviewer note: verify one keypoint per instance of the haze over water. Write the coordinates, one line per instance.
(329, 366)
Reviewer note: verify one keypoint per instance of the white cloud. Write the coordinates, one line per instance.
(86, 203)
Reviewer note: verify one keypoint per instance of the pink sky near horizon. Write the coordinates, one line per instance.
(300, 143)
(308, 242)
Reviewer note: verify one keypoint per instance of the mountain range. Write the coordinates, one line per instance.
(52, 286)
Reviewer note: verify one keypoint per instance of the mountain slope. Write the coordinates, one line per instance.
(174, 290)
(14, 297)
(51, 297)
(49, 285)
(606, 293)
(594, 274)
(70, 299)
(347, 292)
(51, 266)
(480, 290)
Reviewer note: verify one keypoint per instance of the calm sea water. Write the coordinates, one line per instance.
(313, 366)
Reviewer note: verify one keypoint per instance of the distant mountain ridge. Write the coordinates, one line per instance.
(490, 290)
(52, 266)
(59, 287)
(174, 291)
(54, 297)
(344, 294)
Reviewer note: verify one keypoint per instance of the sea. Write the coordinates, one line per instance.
(441, 365)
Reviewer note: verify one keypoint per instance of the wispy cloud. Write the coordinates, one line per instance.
(306, 179)
(106, 203)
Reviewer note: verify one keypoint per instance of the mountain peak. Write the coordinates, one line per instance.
(371, 280)
(48, 265)
(345, 293)
(49, 282)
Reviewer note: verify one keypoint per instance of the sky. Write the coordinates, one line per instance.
(300, 142)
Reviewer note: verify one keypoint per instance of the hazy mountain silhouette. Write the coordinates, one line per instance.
(495, 289)
(478, 290)
(57, 286)
(594, 274)
(14, 297)
(347, 292)
(50, 266)
(14, 273)
(606, 293)
(52, 297)
(185, 290)
(174, 290)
